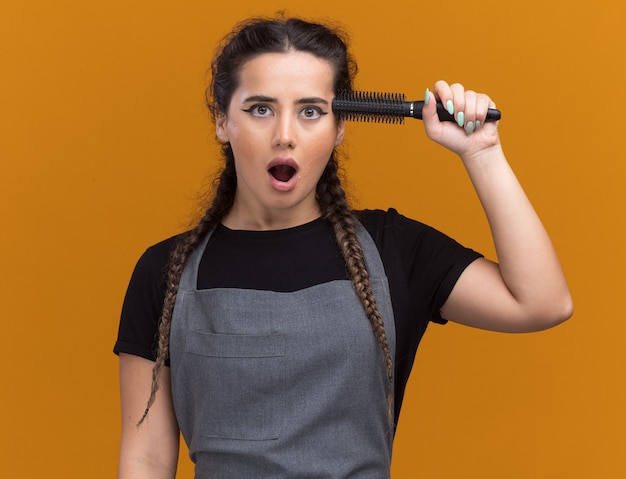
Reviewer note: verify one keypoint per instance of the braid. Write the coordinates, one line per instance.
(222, 203)
(336, 211)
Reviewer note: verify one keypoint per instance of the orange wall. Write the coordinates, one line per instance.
(104, 141)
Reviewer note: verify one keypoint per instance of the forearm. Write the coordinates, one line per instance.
(527, 260)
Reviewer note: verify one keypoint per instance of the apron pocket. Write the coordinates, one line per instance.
(238, 381)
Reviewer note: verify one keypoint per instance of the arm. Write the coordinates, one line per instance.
(526, 290)
(150, 450)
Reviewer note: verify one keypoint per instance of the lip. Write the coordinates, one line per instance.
(283, 186)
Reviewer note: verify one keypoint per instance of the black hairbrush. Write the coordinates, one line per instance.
(388, 108)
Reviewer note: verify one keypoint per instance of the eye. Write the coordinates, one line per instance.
(260, 111)
(311, 112)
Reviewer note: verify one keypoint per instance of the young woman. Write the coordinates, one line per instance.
(285, 323)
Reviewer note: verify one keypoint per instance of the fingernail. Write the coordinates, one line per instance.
(477, 126)
(469, 127)
(460, 118)
(426, 97)
(450, 107)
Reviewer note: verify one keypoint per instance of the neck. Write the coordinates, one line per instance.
(244, 219)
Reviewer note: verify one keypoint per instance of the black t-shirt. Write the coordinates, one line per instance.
(422, 266)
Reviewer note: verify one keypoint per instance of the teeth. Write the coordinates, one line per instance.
(282, 172)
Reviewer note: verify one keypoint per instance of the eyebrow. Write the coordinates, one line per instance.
(301, 101)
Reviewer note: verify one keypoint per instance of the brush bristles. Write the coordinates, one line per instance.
(371, 117)
(370, 106)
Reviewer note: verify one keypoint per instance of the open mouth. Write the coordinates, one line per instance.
(282, 173)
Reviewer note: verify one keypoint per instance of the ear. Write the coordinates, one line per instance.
(220, 127)
(341, 129)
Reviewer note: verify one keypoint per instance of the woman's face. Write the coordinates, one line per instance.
(282, 132)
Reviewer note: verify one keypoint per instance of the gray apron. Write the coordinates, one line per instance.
(282, 385)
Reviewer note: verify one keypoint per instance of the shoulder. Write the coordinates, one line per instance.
(389, 225)
(155, 257)
(151, 267)
(373, 219)
(421, 248)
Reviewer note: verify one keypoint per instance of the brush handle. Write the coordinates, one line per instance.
(414, 110)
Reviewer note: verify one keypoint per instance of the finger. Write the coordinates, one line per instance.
(458, 92)
(471, 99)
(429, 112)
(483, 103)
(444, 94)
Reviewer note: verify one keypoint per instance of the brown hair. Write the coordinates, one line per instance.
(251, 39)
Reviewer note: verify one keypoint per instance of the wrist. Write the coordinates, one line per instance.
(483, 157)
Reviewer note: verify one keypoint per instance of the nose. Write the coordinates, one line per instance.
(285, 134)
